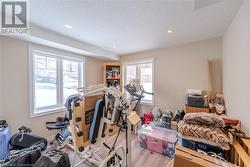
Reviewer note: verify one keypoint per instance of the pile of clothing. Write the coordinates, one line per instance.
(205, 127)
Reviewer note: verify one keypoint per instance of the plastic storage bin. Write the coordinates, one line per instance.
(195, 101)
(4, 142)
(197, 145)
(158, 139)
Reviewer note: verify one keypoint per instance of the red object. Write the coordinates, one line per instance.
(114, 74)
(231, 120)
(147, 118)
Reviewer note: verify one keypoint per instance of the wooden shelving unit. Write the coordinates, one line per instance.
(113, 75)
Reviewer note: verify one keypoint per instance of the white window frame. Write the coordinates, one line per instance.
(138, 62)
(59, 55)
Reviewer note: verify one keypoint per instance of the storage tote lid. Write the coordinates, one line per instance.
(159, 133)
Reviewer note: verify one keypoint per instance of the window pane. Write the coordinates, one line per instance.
(130, 73)
(45, 81)
(70, 78)
(146, 79)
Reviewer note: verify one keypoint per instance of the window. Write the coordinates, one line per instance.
(45, 76)
(54, 78)
(144, 71)
(71, 80)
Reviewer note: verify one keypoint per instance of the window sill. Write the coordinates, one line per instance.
(47, 112)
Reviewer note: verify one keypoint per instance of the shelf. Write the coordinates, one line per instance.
(113, 69)
(113, 78)
(110, 65)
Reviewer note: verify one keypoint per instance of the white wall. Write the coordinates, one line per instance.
(1, 73)
(179, 68)
(15, 86)
(94, 71)
(236, 67)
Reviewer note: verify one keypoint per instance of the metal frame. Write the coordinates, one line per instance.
(91, 155)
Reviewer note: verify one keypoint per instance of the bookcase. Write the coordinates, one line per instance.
(113, 75)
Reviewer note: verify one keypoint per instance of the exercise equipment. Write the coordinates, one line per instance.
(97, 108)
(136, 92)
(86, 113)
(116, 109)
(58, 124)
(63, 122)
(24, 139)
(93, 99)
(25, 148)
(82, 117)
(62, 135)
(94, 127)
(4, 139)
(23, 157)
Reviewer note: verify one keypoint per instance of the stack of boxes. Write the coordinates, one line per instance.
(196, 101)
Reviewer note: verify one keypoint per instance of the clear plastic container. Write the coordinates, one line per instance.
(158, 139)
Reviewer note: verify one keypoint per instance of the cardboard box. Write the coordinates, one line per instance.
(196, 109)
(185, 157)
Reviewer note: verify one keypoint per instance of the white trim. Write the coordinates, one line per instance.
(153, 82)
(59, 82)
(56, 53)
(31, 84)
(48, 112)
(138, 62)
(59, 56)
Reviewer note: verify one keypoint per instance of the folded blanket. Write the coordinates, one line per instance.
(206, 119)
(212, 134)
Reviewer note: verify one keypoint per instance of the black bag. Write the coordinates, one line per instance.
(53, 158)
(27, 141)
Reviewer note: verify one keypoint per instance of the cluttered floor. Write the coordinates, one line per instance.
(159, 138)
(140, 156)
